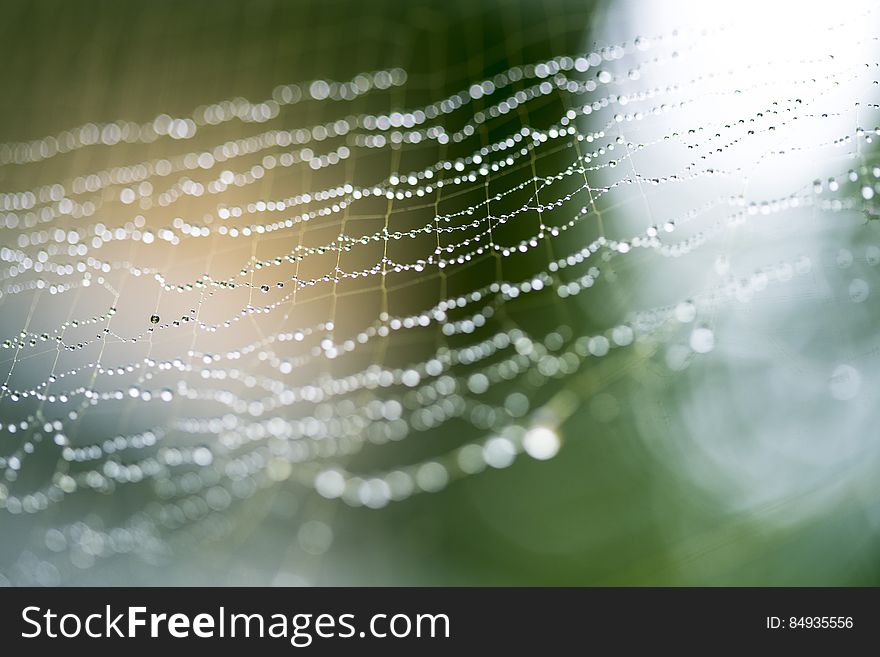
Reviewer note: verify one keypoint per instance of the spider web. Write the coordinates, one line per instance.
(339, 294)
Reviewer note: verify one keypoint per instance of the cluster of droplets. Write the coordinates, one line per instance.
(282, 411)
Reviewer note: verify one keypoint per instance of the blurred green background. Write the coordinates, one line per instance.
(626, 501)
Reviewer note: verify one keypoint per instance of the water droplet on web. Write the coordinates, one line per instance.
(858, 290)
(702, 340)
(685, 312)
(541, 443)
